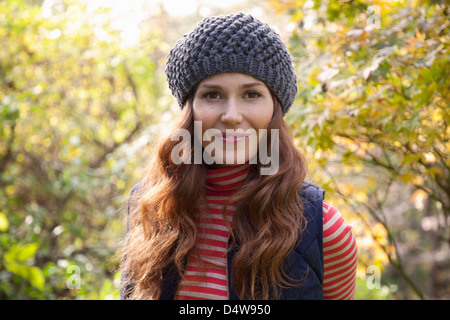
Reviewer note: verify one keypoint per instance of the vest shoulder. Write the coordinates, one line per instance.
(312, 196)
(311, 191)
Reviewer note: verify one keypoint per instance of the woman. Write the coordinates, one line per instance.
(208, 222)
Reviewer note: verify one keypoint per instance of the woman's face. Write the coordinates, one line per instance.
(232, 109)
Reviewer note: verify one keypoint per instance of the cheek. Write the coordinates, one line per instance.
(203, 114)
(262, 116)
(203, 121)
(260, 122)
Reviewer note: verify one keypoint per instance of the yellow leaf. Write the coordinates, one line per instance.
(347, 188)
(4, 223)
(372, 183)
(434, 171)
(380, 233)
(420, 36)
(380, 257)
(119, 134)
(436, 116)
(10, 190)
(361, 196)
(406, 177)
(351, 68)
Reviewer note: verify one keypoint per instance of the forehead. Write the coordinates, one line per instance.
(231, 79)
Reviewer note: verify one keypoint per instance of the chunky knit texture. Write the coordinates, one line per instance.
(232, 43)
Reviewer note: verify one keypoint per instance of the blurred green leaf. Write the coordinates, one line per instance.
(4, 224)
(32, 273)
(21, 253)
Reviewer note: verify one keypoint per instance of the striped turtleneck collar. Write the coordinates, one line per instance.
(227, 178)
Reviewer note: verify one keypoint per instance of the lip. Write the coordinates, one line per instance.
(233, 137)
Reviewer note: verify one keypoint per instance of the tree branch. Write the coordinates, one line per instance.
(108, 150)
(396, 263)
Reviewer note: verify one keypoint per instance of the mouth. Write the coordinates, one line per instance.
(232, 137)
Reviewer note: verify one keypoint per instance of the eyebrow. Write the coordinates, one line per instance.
(243, 86)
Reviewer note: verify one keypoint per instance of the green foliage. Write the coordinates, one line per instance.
(15, 260)
(373, 110)
(72, 100)
(364, 293)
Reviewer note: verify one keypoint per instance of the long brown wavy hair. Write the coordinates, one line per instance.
(266, 225)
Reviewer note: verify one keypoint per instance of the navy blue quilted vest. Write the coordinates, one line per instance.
(305, 259)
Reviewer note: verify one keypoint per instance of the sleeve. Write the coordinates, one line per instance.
(340, 256)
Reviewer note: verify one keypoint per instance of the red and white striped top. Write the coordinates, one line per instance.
(207, 279)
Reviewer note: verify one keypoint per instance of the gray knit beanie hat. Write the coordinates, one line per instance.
(231, 43)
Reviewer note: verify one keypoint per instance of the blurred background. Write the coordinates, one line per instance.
(83, 94)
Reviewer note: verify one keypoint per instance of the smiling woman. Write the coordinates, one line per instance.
(229, 102)
(226, 229)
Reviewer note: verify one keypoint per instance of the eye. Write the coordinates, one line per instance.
(252, 95)
(213, 95)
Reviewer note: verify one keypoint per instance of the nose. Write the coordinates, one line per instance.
(232, 113)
